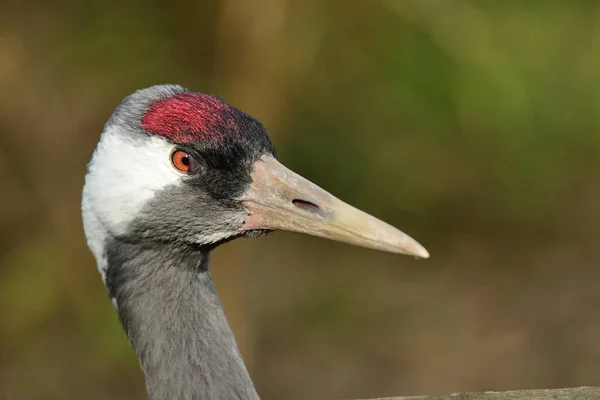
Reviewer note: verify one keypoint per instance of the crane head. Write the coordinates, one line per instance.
(176, 166)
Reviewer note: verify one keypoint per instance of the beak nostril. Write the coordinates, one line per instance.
(306, 206)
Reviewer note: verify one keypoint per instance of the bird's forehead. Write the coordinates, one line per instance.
(191, 117)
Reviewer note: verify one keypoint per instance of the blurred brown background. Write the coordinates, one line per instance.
(472, 125)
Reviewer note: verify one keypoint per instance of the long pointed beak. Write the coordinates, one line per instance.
(280, 199)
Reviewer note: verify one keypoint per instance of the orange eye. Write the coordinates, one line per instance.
(183, 162)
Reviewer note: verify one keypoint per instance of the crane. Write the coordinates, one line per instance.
(175, 174)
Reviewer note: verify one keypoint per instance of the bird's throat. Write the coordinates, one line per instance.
(171, 312)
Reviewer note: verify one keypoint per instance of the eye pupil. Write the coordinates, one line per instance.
(185, 160)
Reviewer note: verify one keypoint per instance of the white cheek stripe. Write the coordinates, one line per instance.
(124, 174)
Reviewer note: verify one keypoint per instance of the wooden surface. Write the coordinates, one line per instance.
(580, 393)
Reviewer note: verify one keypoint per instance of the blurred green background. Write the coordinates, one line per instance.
(471, 125)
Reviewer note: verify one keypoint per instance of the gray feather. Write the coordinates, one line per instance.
(172, 315)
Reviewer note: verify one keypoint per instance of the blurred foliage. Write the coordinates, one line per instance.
(472, 125)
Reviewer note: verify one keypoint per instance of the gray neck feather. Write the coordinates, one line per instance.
(171, 312)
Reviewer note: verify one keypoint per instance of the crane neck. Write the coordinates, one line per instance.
(170, 310)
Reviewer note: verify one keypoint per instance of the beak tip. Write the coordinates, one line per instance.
(417, 250)
(422, 253)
